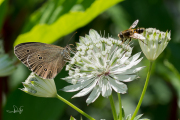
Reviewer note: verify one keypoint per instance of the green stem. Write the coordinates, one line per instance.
(113, 107)
(143, 92)
(120, 107)
(73, 106)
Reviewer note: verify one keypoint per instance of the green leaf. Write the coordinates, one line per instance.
(174, 76)
(1, 1)
(49, 13)
(65, 24)
(3, 8)
(123, 114)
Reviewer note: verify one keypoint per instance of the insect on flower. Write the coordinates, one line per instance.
(132, 33)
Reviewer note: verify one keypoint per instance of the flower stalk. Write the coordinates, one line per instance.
(144, 91)
(73, 106)
(113, 107)
(120, 106)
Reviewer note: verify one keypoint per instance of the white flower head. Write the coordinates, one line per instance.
(155, 42)
(104, 66)
(36, 86)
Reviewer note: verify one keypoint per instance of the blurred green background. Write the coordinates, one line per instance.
(55, 21)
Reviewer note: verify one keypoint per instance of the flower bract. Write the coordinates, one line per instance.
(155, 42)
(34, 85)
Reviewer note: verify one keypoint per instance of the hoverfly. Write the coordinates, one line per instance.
(132, 33)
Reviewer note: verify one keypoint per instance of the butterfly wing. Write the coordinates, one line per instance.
(43, 59)
(23, 50)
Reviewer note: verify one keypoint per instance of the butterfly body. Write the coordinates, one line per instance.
(45, 60)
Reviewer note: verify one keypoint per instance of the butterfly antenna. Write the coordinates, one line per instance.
(72, 36)
(71, 44)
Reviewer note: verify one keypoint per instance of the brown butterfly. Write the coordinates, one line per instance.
(45, 60)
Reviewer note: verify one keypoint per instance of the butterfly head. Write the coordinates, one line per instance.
(68, 48)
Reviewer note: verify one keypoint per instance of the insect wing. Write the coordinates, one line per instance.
(134, 24)
(46, 65)
(44, 60)
(137, 36)
(23, 50)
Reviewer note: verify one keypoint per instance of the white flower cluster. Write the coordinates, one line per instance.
(156, 41)
(100, 65)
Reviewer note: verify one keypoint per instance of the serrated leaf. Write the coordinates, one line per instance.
(65, 24)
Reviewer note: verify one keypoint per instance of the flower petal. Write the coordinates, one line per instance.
(129, 71)
(86, 90)
(133, 70)
(68, 79)
(122, 69)
(94, 34)
(106, 88)
(124, 78)
(119, 87)
(76, 87)
(134, 57)
(94, 95)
